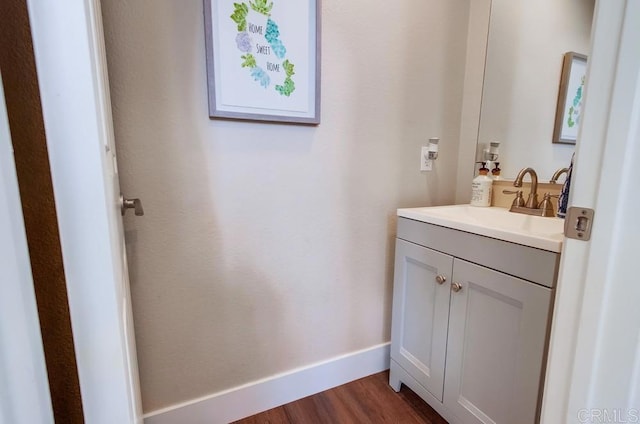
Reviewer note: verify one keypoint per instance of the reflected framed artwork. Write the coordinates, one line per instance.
(263, 60)
(570, 98)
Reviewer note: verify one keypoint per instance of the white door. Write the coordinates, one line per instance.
(495, 349)
(594, 356)
(421, 313)
(71, 64)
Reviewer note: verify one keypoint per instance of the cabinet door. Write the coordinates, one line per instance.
(495, 350)
(421, 313)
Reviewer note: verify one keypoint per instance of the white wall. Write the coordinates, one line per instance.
(268, 247)
(527, 42)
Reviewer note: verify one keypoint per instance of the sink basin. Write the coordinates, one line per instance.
(498, 223)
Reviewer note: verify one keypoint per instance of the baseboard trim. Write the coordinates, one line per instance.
(249, 399)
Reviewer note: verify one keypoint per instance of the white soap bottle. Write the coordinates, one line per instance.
(482, 188)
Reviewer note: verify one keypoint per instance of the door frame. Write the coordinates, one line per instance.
(594, 346)
(24, 386)
(68, 45)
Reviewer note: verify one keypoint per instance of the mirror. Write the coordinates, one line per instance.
(527, 41)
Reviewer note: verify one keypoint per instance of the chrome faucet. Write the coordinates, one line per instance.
(532, 201)
(556, 175)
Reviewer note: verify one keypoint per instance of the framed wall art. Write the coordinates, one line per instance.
(570, 98)
(263, 60)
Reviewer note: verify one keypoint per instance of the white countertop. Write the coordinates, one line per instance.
(498, 223)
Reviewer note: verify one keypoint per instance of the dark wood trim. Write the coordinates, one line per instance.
(22, 97)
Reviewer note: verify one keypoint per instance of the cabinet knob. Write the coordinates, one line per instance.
(441, 279)
(456, 287)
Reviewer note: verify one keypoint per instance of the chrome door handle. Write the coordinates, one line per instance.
(134, 204)
(456, 287)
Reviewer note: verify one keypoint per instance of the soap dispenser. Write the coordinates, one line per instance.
(482, 188)
(495, 172)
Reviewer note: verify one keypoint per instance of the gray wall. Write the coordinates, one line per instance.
(269, 247)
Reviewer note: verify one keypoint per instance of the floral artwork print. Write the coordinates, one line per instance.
(576, 107)
(571, 96)
(247, 42)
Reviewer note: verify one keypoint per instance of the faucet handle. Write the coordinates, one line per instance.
(546, 206)
(519, 200)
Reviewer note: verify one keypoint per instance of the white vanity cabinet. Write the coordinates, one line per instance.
(421, 314)
(470, 321)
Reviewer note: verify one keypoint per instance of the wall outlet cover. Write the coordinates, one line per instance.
(425, 164)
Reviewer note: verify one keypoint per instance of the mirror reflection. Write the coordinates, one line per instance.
(527, 41)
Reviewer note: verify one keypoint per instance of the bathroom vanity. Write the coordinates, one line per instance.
(472, 303)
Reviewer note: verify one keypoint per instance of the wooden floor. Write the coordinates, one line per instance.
(369, 400)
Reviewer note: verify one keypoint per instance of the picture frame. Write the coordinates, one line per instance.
(263, 60)
(570, 98)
